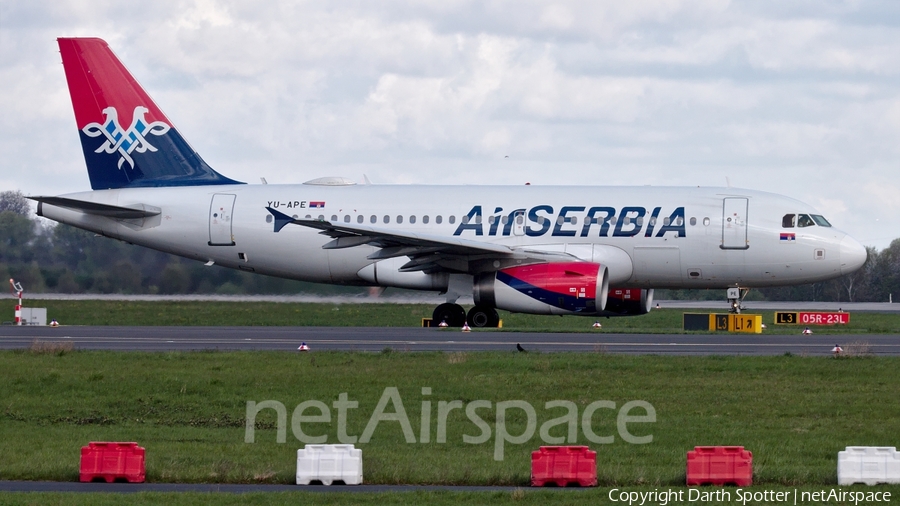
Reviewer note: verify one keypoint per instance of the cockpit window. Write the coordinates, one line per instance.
(820, 220)
(804, 220)
(788, 221)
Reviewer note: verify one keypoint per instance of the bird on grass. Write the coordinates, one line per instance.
(520, 348)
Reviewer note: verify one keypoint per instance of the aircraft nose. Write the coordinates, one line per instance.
(853, 255)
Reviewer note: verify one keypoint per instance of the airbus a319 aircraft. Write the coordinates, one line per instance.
(554, 250)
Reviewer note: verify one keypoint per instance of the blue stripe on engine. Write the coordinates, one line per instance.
(560, 300)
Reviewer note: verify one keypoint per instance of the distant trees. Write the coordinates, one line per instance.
(47, 257)
(15, 202)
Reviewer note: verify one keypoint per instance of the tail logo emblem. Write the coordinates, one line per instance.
(125, 141)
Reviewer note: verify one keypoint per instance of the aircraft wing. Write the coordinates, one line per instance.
(426, 251)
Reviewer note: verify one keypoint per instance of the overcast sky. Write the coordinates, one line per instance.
(800, 98)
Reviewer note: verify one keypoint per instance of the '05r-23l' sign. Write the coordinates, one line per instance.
(807, 318)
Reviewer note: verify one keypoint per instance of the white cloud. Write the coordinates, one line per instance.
(798, 98)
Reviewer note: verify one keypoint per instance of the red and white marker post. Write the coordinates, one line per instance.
(17, 289)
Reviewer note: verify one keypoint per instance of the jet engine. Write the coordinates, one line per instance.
(628, 301)
(549, 288)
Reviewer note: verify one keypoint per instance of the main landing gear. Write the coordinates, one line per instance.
(455, 316)
(483, 316)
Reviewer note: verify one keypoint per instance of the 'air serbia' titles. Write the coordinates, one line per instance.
(630, 221)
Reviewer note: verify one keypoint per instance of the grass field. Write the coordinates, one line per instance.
(188, 410)
(379, 315)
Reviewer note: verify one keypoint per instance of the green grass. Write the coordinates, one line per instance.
(188, 409)
(93, 312)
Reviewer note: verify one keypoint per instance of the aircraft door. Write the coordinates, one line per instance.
(220, 210)
(519, 223)
(734, 223)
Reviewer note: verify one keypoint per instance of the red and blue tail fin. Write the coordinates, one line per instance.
(127, 140)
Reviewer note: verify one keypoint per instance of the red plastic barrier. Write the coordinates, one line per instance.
(112, 461)
(720, 465)
(564, 465)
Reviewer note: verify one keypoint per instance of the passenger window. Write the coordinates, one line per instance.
(438, 219)
(520, 218)
(478, 219)
(387, 219)
(573, 220)
(504, 220)
(373, 219)
(412, 219)
(693, 221)
(321, 217)
(346, 218)
(269, 219)
(425, 219)
(560, 220)
(452, 219)
(308, 217)
(804, 220)
(333, 217)
(399, 218)
(705, 222)
(788, 221)
(666, 221)
(360, 218)
(465, 220)
(679, 221)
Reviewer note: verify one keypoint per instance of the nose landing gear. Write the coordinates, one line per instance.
(735, 298)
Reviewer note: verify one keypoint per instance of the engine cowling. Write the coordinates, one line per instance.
(550, 288)
(628, 301)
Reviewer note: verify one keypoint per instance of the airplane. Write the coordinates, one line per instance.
(550, 250)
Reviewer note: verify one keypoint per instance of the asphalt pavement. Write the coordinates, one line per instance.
(447, 340)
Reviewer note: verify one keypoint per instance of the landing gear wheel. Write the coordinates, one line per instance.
(483, 316)
(453, 314)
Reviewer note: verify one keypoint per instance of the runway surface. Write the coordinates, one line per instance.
(449, 340)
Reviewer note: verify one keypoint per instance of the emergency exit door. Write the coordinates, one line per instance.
(220, 233)
(734, 223)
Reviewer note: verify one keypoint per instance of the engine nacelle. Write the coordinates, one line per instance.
(628, 302)
(550, 288)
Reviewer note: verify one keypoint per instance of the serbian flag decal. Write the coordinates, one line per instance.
(788, 237)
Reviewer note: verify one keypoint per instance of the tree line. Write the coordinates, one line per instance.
(49, 257)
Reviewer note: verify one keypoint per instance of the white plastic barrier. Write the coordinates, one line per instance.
(329, 463)
(869, 465)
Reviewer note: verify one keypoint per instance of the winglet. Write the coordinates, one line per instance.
(281, 219)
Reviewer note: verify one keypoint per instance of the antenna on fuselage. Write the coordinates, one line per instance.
(727, 182)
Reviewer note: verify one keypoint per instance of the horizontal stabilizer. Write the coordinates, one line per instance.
(122, 213)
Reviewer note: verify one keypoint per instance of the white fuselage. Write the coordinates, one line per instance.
(728, 236)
